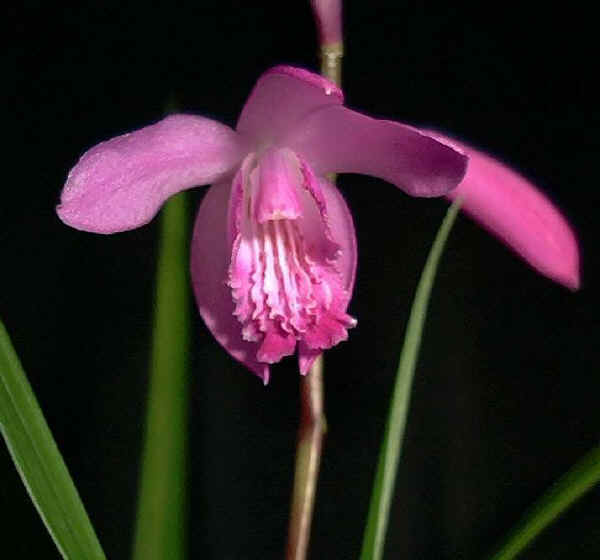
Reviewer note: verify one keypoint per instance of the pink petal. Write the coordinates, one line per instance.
(336, 139)
(306, 357)
(511, 207)
(276, 345)
(338, 246)
(211, 253)
(328, 14)
(120, 184)
(276, 199)
(341, 229)
(283, 96)
(286, 272)
(210, 258)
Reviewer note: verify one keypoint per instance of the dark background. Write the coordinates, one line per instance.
(507, 386)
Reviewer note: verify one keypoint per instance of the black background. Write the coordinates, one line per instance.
(507, 387)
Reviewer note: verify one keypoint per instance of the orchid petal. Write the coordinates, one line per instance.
(341, 226)
(512, 208)
(211, 253)
(282, 97)
(277, 198)
(337, 139)
(120, 184)
(341, 229)
(210, 258)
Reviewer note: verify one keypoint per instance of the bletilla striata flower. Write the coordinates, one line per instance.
(273, 255)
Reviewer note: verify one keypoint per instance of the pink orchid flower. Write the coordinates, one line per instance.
(273, 255)
(274, 249)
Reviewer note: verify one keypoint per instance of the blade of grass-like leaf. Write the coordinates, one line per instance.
(40, 463)
(571, 486)
(389, 455)
(160, 524)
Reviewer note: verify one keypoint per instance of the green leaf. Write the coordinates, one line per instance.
(40, 463)
(161, 517)
(381, 497)
(578, 480)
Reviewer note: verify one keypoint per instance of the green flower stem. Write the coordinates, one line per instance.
(569, 488)
(161, 516)
(383, 487)
(331, 61)
(39, 462)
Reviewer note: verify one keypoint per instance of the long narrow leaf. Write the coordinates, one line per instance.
(571, 486)
(160, 528)
(379, 509)
(40, 463)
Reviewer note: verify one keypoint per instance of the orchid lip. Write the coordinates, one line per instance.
(283, 276)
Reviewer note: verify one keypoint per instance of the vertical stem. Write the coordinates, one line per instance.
(313, 424)
(331, 61)
(308, 458)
